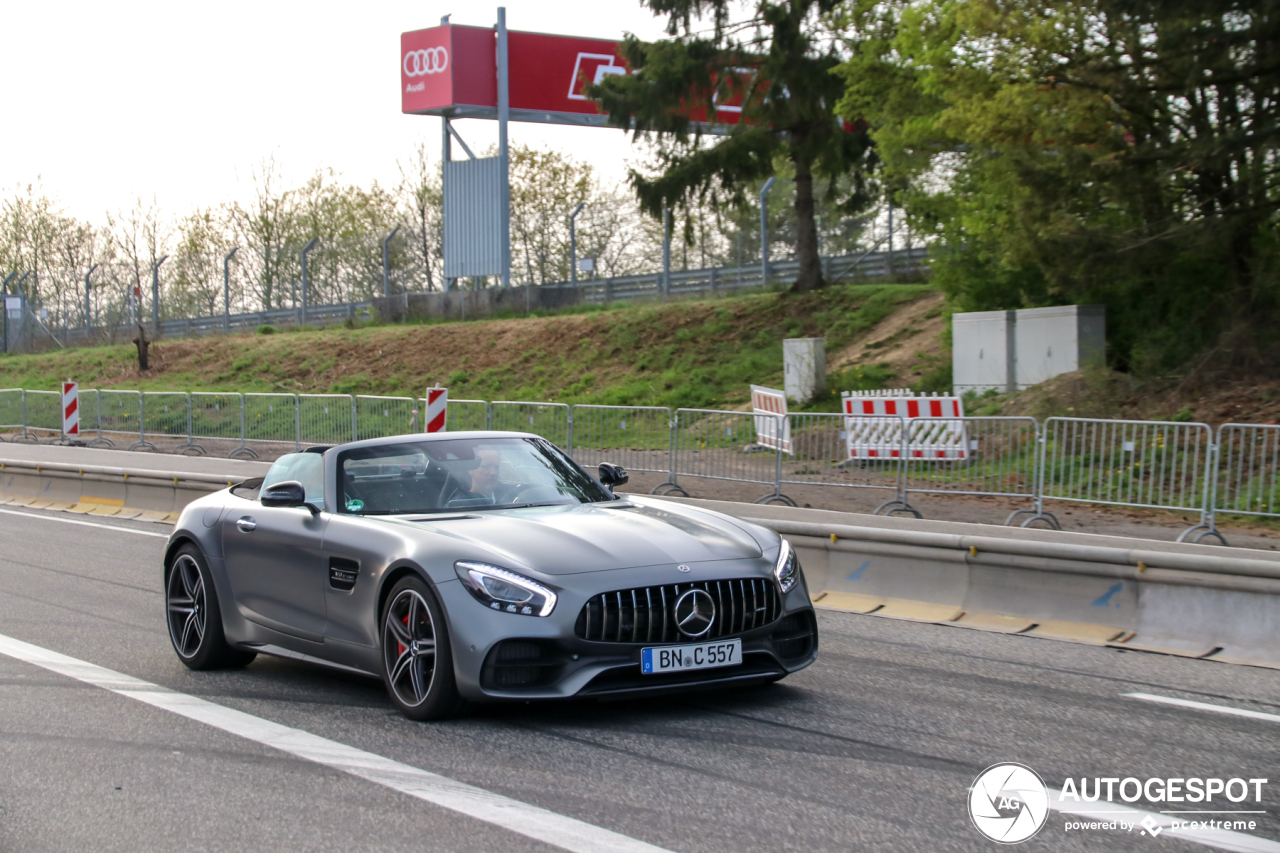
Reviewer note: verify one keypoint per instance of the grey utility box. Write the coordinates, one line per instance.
(982, 351)
(804, 368)
(1013, 350)
(1053, 341)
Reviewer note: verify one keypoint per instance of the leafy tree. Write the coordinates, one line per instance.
(1115, 151)
(777, 62)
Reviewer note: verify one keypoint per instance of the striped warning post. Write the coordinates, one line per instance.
(769, 405)
(70, 408)
(437, 409)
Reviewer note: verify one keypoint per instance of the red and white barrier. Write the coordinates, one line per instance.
(70, 409)
(437, 409)
(874, 424)
(773, 427)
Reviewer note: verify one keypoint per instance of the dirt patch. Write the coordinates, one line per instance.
(906, 340)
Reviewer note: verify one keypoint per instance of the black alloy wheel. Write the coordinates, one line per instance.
(194, 619)
(417, 662)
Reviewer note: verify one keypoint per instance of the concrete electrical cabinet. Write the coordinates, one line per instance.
(982, 348)
(804, 363)
(1013, 350)
(1053, 341)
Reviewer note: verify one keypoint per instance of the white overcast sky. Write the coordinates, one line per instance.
(108, 102)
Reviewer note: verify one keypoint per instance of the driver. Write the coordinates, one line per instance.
(484, 478)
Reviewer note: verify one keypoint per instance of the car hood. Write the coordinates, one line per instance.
(563, 540)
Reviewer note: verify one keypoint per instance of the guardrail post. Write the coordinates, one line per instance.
(297, 422)
(1209, 499)
(23, 392)
(243, 448)
(569, 437)
(142, 443)
(673, 425)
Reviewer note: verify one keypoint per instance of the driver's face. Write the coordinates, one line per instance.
(484, 477)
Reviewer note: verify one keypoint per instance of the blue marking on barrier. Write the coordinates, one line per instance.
(1105, 598)
(857, 576)
(47, 485)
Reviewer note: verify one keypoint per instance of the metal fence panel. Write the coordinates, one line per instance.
(44, 411)
(463, 415)
(722, 445)
(327, 418)
(820, 454)
(1247, 481)
(549, 420)
(976, 456)
(166, 413)
(378, 417)
(1154, 464)
(11, 408)
(215, 415)
(271, 418)
(636, 437)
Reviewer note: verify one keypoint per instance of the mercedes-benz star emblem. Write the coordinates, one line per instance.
(684, 569)
(695, 613)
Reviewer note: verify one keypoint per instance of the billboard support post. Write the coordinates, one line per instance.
(666, 253)
(305, 281)
(573, 244)
(446, 154)
(386, 262)
(504, 114)
(226, 289)
(88, 315)
(764, 232)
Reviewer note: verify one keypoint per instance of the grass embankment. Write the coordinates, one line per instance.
(702, 353)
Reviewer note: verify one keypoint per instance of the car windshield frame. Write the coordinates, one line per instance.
(441, 467)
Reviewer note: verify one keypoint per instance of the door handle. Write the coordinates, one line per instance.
(246, 524)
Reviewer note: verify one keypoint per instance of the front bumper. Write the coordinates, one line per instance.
(504, 657)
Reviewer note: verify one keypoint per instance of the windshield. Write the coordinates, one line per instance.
(460, 474)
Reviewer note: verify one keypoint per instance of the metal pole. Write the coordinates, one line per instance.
(666, 253)
(386, 262)
(87, 311)
(305, 249)
(155, 297)
(5, 288)
(226, 289)
(573, 243)
(504, 113)
(446, 156)
(889, 258)
(764, 231)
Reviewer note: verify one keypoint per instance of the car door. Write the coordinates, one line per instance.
(274, 556)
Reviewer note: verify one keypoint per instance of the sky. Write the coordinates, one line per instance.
(105, 103)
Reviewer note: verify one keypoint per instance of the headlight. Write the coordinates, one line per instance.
(499, 589)
(787, 569)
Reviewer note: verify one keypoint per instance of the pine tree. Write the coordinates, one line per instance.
(778, 64)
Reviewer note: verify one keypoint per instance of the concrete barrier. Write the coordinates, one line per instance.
(1156, 596)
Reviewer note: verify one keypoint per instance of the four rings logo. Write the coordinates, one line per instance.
(431, 60)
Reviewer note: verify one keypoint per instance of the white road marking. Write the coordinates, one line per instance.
(1223, 839)
(1205, 706)
(83, 523)
(530, 821)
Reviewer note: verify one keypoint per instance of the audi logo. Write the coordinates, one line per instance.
(432, 60)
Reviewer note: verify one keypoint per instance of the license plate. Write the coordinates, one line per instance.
(697, 656)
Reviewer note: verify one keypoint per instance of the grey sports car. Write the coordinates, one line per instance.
(481, 566)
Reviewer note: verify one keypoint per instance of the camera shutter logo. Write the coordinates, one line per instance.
(1008, 803)
(431, 60)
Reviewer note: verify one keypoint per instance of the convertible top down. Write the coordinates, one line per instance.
(481, 566)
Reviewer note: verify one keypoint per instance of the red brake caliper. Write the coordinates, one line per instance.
(399, 645)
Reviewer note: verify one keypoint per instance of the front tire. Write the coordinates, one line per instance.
(194, 618)
(417, 659)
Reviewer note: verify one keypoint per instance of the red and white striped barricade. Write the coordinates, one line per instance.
(874, 424)
(70, 409)
(435, 418)
(773, 427)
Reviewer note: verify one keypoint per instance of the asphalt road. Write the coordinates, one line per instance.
(873, 747)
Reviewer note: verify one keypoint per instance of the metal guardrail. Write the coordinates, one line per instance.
(1145, 464)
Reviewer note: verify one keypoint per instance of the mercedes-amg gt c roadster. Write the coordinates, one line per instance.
(481, 566)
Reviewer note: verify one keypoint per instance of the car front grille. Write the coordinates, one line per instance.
(646, 614)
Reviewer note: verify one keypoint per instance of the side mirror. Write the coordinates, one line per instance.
(286, 494)
(612, 475)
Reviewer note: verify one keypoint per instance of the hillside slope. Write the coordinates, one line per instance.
(680, 354)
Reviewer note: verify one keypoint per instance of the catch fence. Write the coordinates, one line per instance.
(1186, 467)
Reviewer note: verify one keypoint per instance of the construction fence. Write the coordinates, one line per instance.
(1186, 467)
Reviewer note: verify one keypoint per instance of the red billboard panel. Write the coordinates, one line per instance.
(452, 70)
